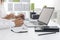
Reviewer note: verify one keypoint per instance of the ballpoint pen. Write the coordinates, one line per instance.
(46, 33)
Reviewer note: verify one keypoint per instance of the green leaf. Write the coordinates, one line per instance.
(32, 6)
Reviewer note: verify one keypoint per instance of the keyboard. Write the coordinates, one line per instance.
(48, 29)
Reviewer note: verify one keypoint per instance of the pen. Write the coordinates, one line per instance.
(46, 34)
(20, 31)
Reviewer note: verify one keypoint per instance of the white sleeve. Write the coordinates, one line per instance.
(2, 11)
(6, 23)
(11, 24)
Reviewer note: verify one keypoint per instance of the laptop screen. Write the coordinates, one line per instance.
(46, 14)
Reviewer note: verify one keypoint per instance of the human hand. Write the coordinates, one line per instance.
(18, 22)
(10, 16)
(20, 16)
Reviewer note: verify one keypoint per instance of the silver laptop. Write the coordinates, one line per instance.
(45, 16)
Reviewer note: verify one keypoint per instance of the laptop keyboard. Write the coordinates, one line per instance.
(34, 22)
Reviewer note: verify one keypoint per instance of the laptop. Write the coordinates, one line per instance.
(45, 16)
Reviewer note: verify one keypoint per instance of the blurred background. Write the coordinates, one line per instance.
(26, 6)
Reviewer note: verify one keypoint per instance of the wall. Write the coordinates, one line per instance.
(52, 3)
(41, 3)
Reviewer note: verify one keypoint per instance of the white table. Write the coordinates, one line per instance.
(30, 35)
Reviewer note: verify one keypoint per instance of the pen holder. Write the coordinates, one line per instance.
(33, 15)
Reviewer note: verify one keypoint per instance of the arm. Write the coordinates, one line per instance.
(18, 21)
(9, 24)
(10, 16)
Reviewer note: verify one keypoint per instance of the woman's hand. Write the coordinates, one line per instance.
(10, 16)
(20, 16)
(18, 22)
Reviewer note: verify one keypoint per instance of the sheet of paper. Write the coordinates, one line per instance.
(21, 7)
(18, 7)
(10, 0)
(24, 0)
(27, 7)
(10, 7)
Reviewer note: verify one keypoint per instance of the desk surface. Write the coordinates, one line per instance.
(6, 34)
(31, 35)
